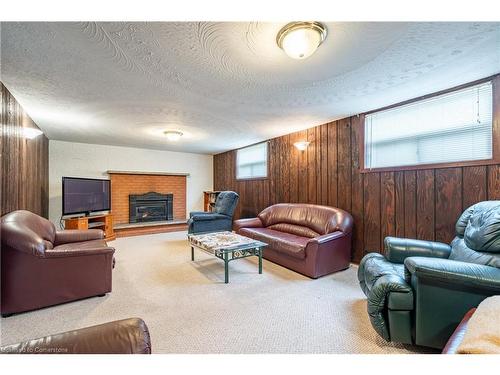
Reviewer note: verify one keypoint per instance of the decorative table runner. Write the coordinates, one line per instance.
(220, 241)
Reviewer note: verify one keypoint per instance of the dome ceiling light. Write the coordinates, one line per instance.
(173, 135)
(300, 40)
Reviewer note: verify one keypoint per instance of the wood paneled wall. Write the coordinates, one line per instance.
(421, 204)
(24, 165)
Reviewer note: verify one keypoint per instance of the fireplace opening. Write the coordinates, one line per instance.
(151, 206)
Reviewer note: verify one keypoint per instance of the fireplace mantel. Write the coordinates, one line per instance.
(149, 173)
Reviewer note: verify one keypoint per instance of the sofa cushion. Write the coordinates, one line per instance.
(285, 243)
(77, 246)
(298, 230)
(482, 232)
(474, 210)
(461, 252)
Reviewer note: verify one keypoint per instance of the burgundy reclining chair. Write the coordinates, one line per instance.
(42, 266)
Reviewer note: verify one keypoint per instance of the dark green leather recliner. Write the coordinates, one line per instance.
(420, 290)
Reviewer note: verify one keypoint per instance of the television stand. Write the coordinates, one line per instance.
(103, 221)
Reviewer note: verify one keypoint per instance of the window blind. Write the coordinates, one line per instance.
(452, 127)
(251, 162)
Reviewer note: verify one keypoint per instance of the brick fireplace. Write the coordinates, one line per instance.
(153, 192)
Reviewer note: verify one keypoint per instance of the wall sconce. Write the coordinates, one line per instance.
(31, 133)
(301, 145)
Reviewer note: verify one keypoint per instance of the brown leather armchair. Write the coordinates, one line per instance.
(42, 266)
(127, 336)
(310, 239)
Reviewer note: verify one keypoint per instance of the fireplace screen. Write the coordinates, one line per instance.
(150, 207)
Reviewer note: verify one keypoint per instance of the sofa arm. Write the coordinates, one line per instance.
(128, 336)
(74, 252)
(77, 235)
(398, 249)
(459, 274)
(253, 222)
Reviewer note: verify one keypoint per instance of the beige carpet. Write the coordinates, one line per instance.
(189, 309)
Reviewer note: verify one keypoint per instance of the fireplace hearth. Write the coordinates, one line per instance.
(151, 206)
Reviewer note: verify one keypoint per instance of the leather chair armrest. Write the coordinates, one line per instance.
(253, 222)
(379, 298)
(128, 336)
(197, 213)
(211, 216)
(77, 235)
(73, 252)
(458, 335)
(398, 249)
(458, 273)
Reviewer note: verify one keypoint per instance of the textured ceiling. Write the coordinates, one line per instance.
(226, 85)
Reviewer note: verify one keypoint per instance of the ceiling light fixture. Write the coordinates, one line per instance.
(301, 145)
(300, 40)
(173, 135)
(30, 133)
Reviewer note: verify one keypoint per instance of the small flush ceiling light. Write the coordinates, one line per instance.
(301, 145)
(30, 133)
(173, 135)
(300, 40)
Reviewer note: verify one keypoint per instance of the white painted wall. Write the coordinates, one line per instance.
(91, 160)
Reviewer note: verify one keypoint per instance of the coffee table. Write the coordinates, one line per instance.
(227, 246)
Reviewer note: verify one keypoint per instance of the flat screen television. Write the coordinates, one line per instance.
(85, 195)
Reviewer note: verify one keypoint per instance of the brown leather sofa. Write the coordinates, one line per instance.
(310, 239)
(127, 336)
(42, 266)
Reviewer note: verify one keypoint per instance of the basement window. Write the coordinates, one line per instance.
(251, 162)
(447, 128)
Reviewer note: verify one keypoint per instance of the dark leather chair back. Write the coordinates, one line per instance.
(27, 232)
(306, 220)
(478, 235)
